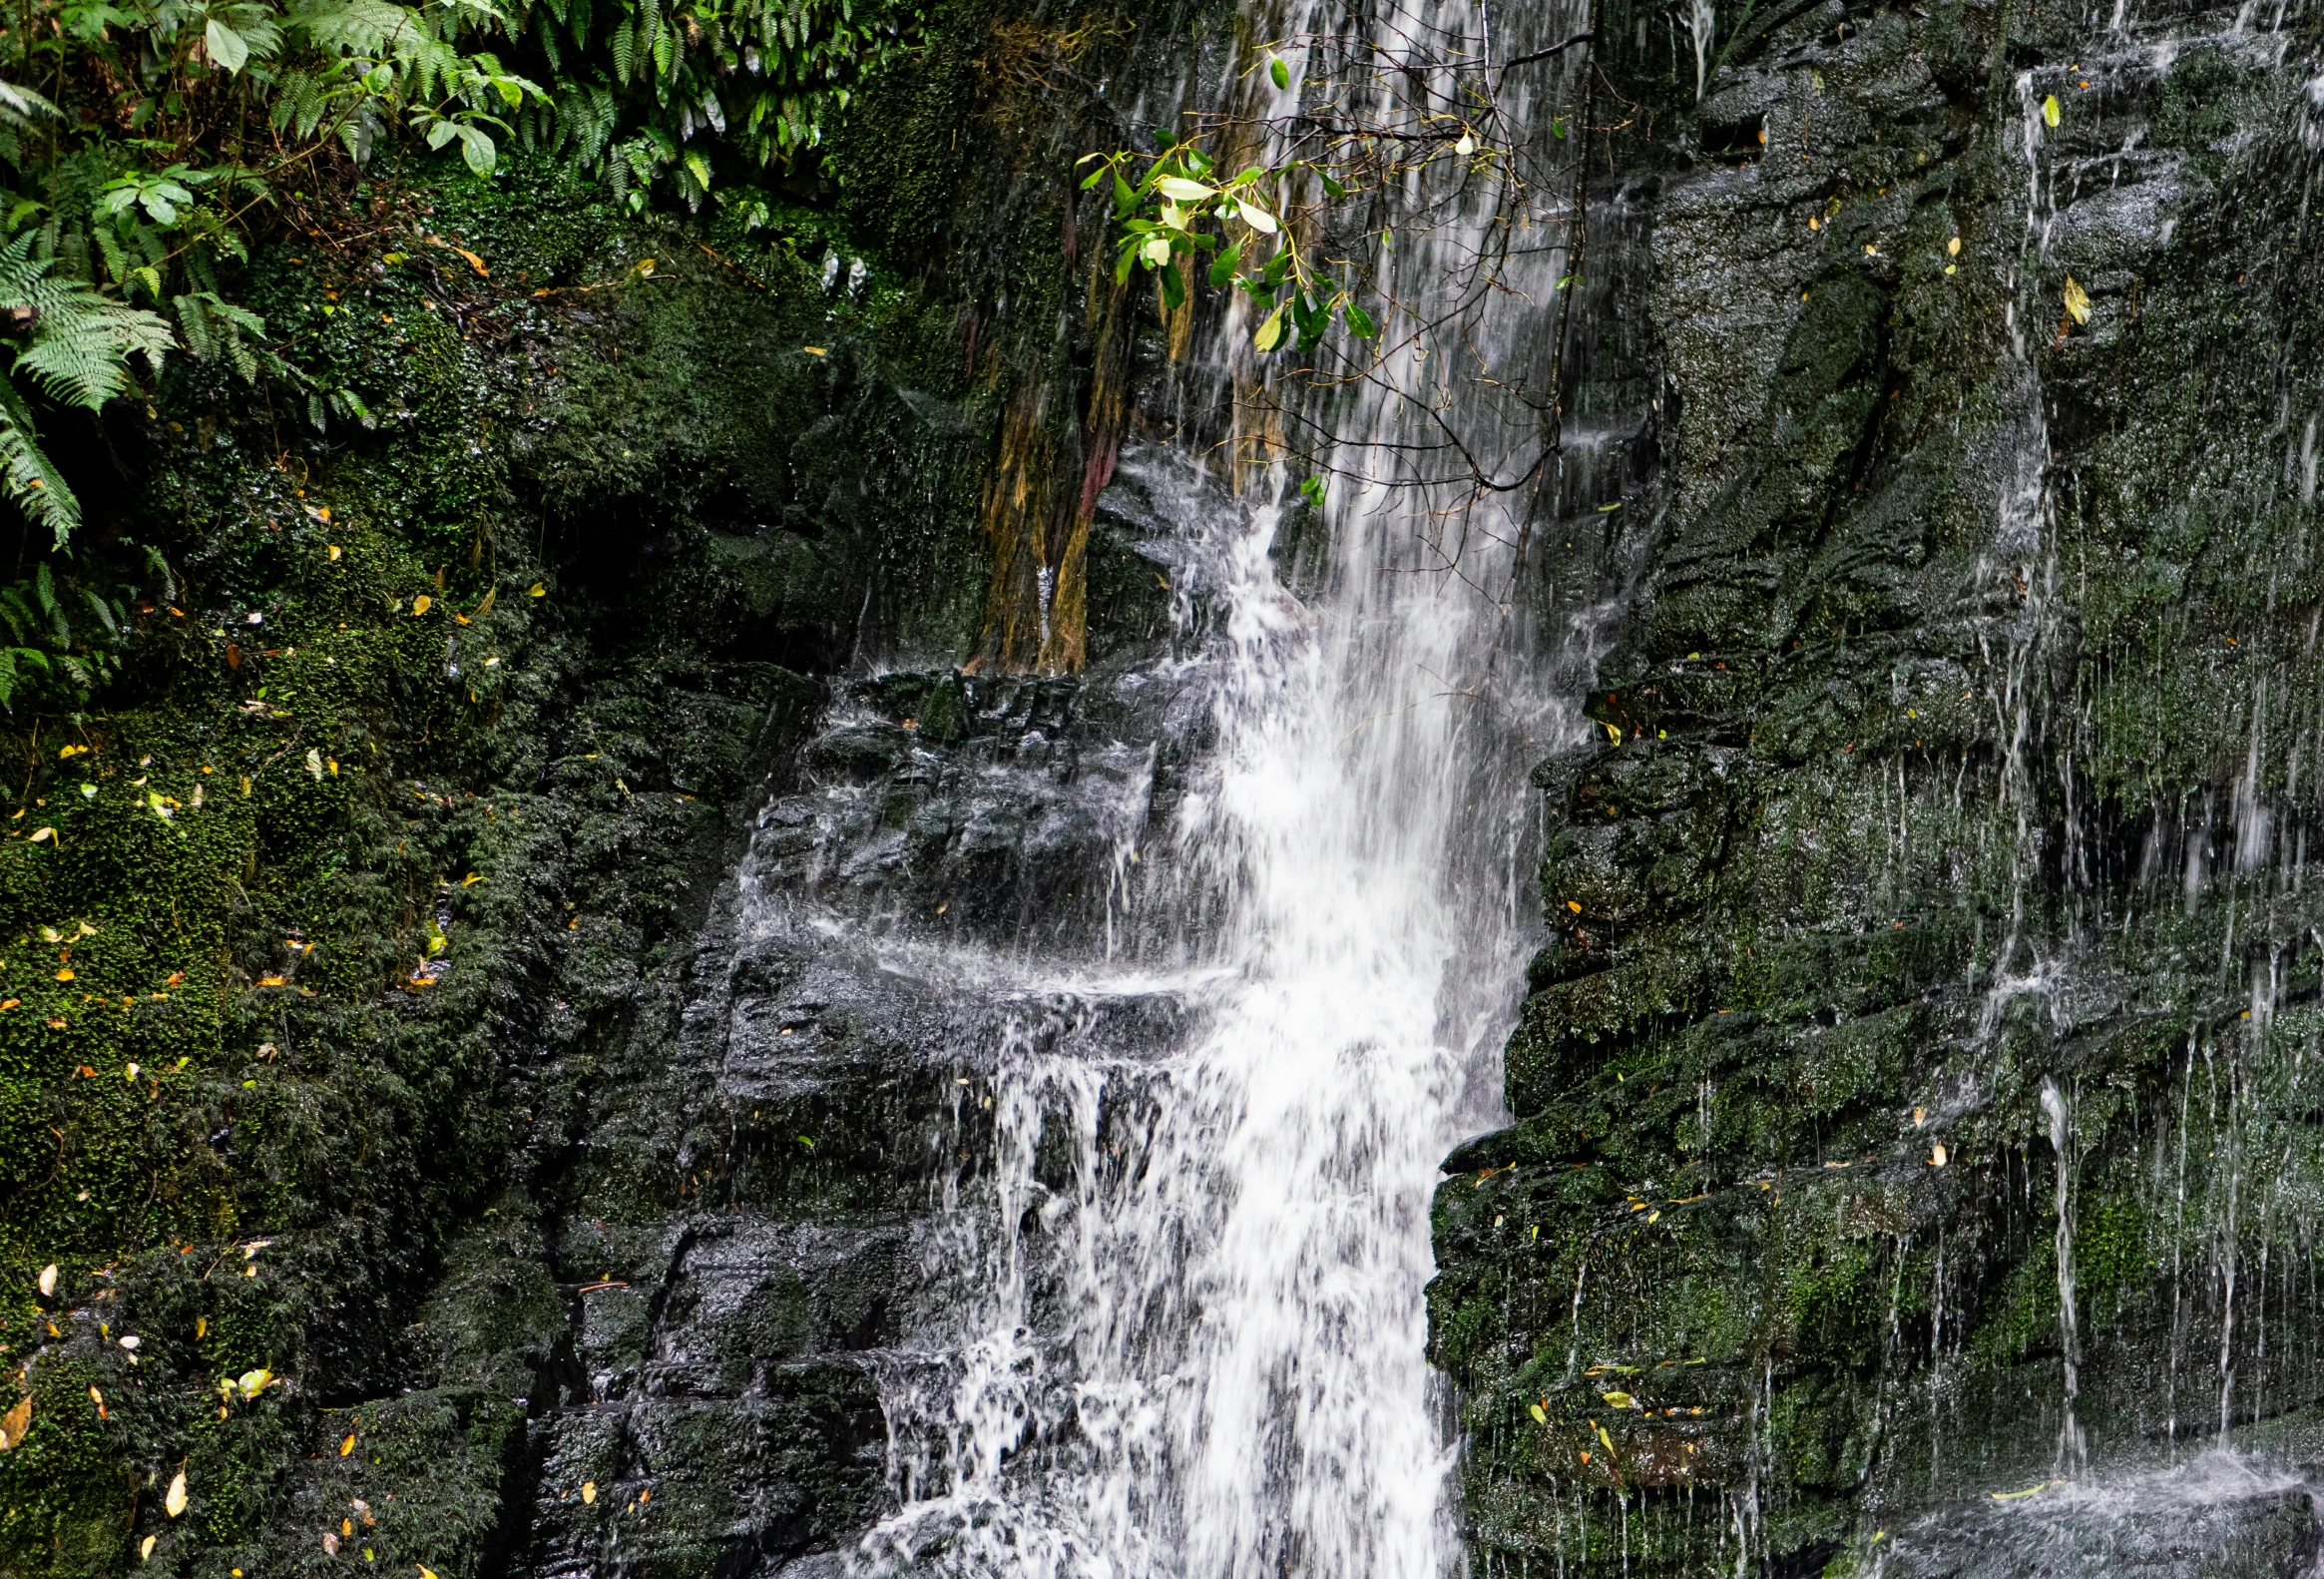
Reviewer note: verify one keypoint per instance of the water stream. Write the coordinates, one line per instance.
(1181, 1319)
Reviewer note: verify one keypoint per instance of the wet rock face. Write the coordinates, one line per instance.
(1967, 742)
(826, 1109)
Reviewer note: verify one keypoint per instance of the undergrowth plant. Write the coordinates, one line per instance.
(142, 141)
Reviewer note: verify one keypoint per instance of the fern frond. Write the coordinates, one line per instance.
(195, 327)
(104, 613)
(162, 569)
(27, 481)
(20, 106)
(82, 344)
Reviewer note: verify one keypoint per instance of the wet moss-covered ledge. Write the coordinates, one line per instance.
(334, 923)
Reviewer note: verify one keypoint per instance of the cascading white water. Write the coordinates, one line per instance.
(1203, 1354)
(1187, 1302)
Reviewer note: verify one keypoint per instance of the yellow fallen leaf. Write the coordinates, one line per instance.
(335, 551)
(1619, 1400)
(145, 1548)
(44, 834)
(66, 975)
(15, 1423)
(347, 1445)
(1604, 1440)
(2076, 301)
(1540, 1416)
(269, 981)
(200, 1327)
(425, 1571)
(2047, 1485)
(814, 350)
(421, 603)
(537, 590)
(2050, 110)
(174, 1502)
(471, 879)
(589, 1491)
(1936, 1155)
(1953, 248)
(48, 1280)
(253, 1382)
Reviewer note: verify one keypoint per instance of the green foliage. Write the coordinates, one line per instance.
(171, 125)
(70, 635)
(1162, 219)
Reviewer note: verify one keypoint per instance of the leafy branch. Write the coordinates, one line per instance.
(1163, 217)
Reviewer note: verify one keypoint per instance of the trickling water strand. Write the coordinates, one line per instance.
(2072, 1452)
(1702, 25)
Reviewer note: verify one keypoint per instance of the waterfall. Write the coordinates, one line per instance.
(1187, 1313)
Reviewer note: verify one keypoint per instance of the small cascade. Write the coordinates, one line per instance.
(2072, 1451)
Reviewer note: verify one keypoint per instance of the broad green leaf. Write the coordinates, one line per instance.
(1155, 251)
(2050, 110)
(1257, 217)
(1270, 333)
(1182, 189)
(1360, 323)
(228, 48)
(476, 148)
(1279, 72)
(1224, 268)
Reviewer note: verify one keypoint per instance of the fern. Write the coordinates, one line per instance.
(81, 342)
(27, 479)
(105, 615)
(161, 567)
